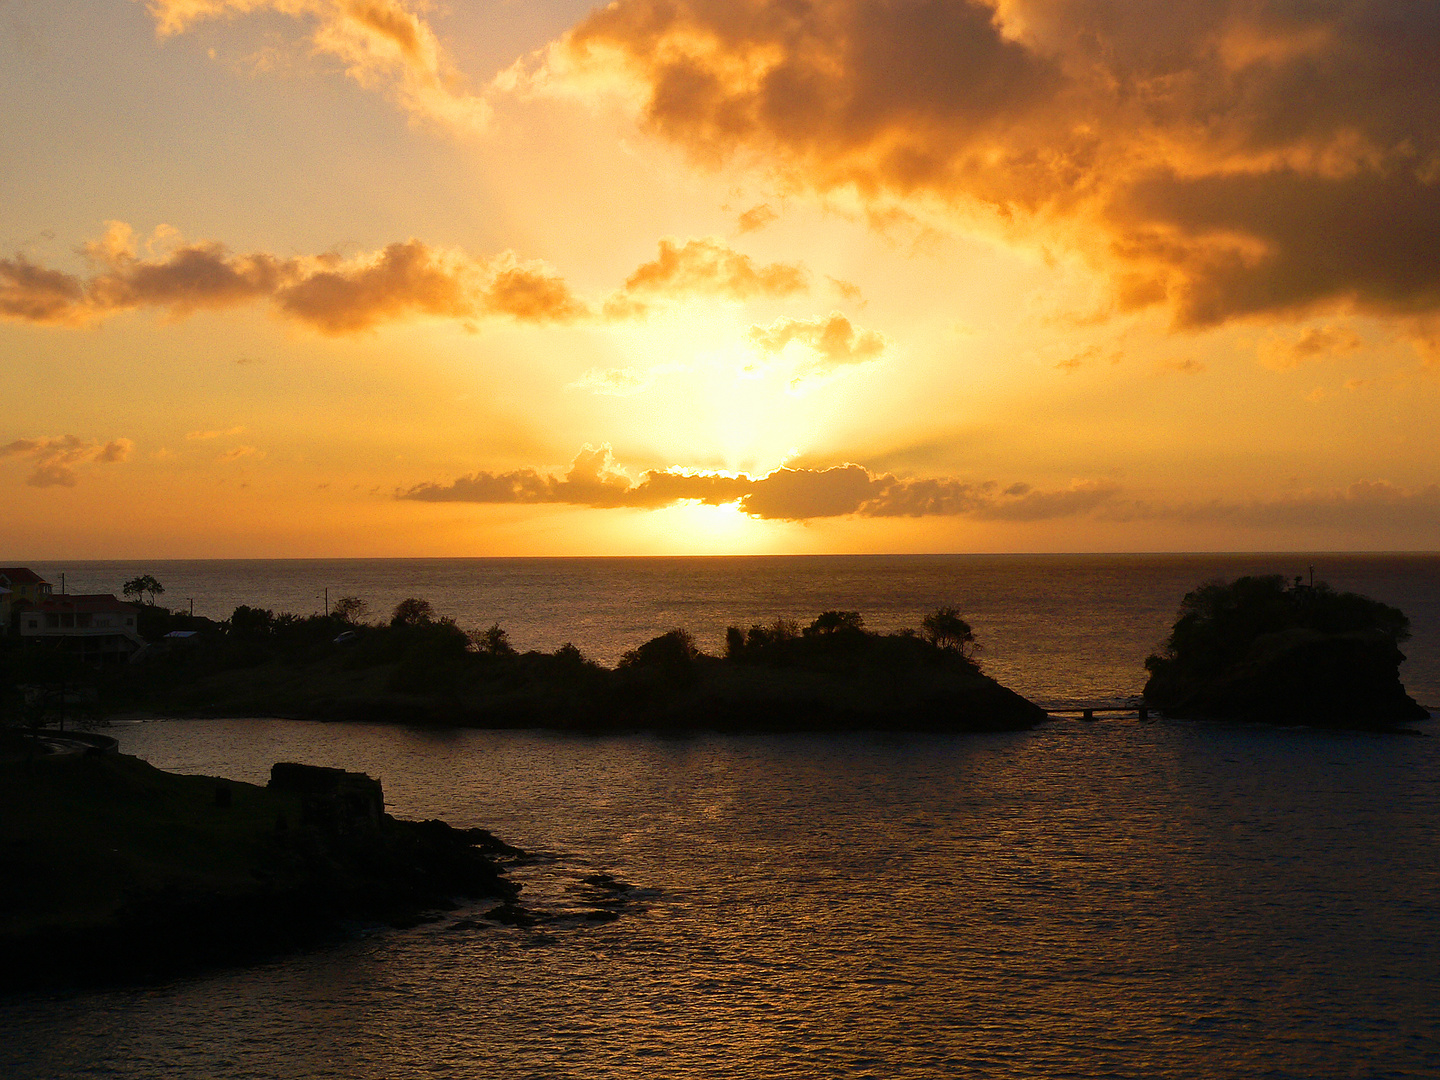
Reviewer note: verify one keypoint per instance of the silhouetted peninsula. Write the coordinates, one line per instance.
(1267, 649)
(116, 870)
(832, 675)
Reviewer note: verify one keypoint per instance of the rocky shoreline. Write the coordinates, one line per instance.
(121, 872)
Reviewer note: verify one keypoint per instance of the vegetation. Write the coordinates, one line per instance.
(144, 585)
(945, 629)
(352, 609)
(420, 668)
(1265, 648)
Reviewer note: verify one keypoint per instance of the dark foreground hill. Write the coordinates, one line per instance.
(115, 870)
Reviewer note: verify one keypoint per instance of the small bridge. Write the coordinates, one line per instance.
(1142, 712)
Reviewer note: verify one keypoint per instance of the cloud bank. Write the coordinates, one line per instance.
(336, 295)
(595, 480)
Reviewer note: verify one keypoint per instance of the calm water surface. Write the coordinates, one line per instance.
(1083, 900)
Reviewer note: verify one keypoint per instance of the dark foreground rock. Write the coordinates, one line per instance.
(116, 871)
(1261, 649)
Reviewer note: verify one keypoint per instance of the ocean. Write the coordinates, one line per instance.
(1111, 899)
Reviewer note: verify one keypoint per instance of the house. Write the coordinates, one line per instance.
(18, 583)
(97, 626)
(24, 583)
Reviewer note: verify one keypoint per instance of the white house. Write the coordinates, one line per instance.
(96, 625)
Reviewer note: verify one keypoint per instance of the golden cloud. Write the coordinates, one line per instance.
(831, 339)
(339, 295)
(757, 217)
(711, 267)
(1315, 343)
(1223, 158)
(382, 43)
(57, 460)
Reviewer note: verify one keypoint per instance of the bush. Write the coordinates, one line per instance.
(493, 642)
(412, 612)
(671, 651)
(836, 622)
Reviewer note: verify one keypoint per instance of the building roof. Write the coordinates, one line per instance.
(21, 575)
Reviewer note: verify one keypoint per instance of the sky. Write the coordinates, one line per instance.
(309, 278)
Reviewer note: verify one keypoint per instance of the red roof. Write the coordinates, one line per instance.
(21, 575)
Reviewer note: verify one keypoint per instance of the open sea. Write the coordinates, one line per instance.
(1082, 900)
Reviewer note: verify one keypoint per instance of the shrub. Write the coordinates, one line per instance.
(673, 650)
(493, 642)
(836, 622)
(412, 612)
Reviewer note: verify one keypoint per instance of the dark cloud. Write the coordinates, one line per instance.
(1226, 158)
(404, 279)
(594, 480)
(1374, 509)
(30, 293)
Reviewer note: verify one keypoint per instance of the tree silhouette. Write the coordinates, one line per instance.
(412, 612)
(350, 609)
(945, 629)
(493, 641)
(145, 583)
(836, 622)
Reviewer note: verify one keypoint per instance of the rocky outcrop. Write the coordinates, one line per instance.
(118, 871)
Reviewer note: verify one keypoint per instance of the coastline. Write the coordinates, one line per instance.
(119, 872)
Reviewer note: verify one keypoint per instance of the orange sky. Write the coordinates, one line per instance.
(386, 277)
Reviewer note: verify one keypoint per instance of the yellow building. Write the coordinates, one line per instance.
(19, 583)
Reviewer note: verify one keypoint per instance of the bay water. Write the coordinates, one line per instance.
(1109, 899)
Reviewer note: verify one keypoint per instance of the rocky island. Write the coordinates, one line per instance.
(1271, 650)
(115, 870)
